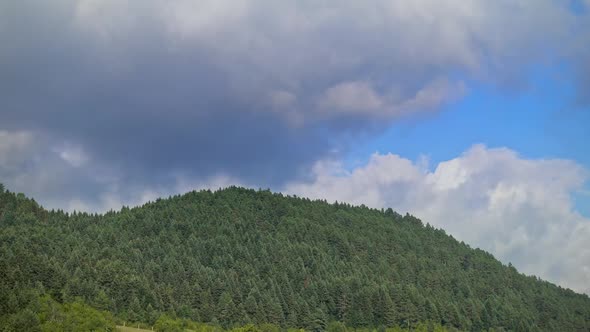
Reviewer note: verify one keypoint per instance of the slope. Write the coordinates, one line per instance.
(238, 255)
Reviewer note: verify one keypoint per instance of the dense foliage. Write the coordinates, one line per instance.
(41, 313)
(168, 324)
(239, 256)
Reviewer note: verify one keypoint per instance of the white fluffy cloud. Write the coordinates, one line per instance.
(519, 209)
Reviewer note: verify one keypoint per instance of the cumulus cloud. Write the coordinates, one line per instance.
(519, 209)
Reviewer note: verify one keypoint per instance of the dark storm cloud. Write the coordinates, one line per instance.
(147, 109)
(167, 113)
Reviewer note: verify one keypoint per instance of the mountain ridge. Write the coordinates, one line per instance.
(237, 255)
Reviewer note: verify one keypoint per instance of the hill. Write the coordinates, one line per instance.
(239, 256)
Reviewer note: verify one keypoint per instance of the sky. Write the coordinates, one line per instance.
(471, 115)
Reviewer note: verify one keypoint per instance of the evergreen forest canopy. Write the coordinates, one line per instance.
(239, 256)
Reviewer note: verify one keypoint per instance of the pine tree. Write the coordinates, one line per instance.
(390, 316)
(135, 312)
(226, 309)
(251, 307)
(102, 301)
(318, 322)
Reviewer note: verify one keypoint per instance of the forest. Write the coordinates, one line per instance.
(252, 260)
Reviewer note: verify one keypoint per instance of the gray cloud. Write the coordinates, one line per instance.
(63, 175)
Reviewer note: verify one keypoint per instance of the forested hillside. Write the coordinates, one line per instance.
(239, 256)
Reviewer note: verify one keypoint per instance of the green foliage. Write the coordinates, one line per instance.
(336, 327)
(168, 324)
(46, 315)
(245, 259)
(78, 316)
(247, 328)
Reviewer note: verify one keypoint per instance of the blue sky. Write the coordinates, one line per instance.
(108, 103)
(541, 122)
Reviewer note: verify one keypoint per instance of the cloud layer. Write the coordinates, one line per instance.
(209, 86)
(519, 209)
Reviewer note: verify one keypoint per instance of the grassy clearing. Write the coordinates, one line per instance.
(130, 329)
